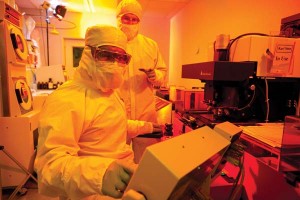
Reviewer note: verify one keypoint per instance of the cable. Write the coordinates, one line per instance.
(45, 50)
(267, 100)
(250, 103)
(235, 39)
(238, 184)
(72, 25)
(61, 27)
(47, 32)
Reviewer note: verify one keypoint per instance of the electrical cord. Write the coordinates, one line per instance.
(250, 103)
(238, 184)
(267, 100)
(45, 48)
(235, 39)
(72, 25)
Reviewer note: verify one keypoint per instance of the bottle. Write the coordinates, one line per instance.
(57, 84)
(54, 86)
(50, 84)
(44, 85)
(38, 85)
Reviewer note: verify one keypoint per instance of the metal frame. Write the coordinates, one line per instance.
(18, 188)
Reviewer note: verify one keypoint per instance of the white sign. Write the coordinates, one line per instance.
(283, 56)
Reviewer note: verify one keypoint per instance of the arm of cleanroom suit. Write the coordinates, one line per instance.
(136, 127)
(157, 75)
(61, 172)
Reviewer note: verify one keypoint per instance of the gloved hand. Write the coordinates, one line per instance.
(157, 128)
(137, 127)
(116, 178)
(149, 72)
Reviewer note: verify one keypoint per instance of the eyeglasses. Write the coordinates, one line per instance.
(111, 56)
(129, 19)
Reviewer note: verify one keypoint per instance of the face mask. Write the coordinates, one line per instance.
(130, 30)
(108, 75)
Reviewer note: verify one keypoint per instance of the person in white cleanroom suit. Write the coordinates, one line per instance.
(82, 150)
(146, 69)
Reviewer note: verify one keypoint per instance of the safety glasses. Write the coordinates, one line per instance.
(111, 56)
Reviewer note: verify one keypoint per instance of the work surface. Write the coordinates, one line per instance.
(269, 133)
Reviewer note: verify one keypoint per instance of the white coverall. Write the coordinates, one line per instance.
(83, 130)
(137, 90)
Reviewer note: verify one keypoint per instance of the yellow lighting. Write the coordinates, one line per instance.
(89, 6)
(104, 16)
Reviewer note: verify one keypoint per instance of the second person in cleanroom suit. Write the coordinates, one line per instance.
(82, 151)
(146, 69)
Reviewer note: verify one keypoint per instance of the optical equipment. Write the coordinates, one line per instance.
(60, 12)
(105, 55)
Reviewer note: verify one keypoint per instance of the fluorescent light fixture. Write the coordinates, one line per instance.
(89, 5)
